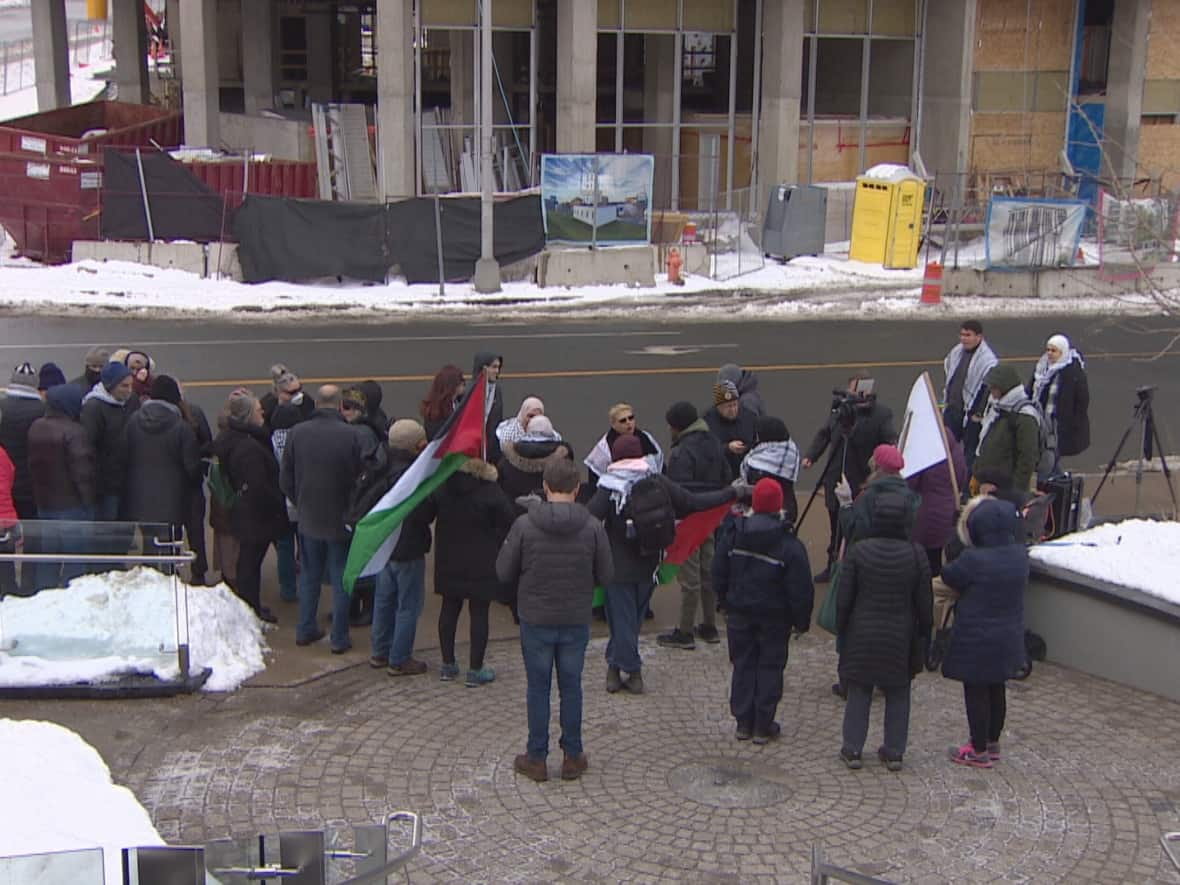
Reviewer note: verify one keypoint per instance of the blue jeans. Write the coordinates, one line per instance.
(319, 556)
(626, 604)
(543, 647)
(285, 560)
(66, 538)
(397, 603)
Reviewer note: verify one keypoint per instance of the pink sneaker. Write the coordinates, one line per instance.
(966, 755)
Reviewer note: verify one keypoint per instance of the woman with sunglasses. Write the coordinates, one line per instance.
(622, 423)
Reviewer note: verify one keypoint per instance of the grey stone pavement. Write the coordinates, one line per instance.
(1088, 783)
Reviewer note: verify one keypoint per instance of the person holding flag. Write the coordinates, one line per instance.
(639, 508)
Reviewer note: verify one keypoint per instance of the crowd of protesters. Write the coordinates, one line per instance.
(529, 526)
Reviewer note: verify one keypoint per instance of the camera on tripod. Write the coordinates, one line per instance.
(1145, 392)
(847, 403)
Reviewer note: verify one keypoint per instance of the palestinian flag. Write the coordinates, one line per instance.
(691, 533)
(458, 440)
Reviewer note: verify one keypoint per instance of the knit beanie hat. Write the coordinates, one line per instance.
(355, 396)
(24, 375)
(626, 445)
(165, 387)
(770, 429)
(277, 371)
(540, 425)
(1002, 376)
(66, 398)
(724, 392)
(768, 496)
(112, 373)
(680, 415)
(96, 358)
(50, 376)
(406, 434)
(240, 406)
(888, 458)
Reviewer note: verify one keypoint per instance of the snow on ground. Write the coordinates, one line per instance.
(83, 86)
(60, 798)
(1138, 553)
(104, 626)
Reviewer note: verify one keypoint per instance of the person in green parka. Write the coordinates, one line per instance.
(1009, 439)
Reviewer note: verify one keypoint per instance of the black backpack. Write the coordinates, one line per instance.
(376, 477)
(651, 520)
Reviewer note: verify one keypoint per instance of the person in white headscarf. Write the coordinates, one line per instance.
(1059, 384)
(513, 429)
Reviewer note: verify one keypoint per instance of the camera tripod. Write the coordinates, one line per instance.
(1143, 418)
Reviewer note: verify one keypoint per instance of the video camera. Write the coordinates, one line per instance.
(846, 404)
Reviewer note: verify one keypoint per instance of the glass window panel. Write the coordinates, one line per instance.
(895, 17)
(891, 78)
(608, 14)
(704, 83)
(450, 12)
(512, 13)
(805, 103)
(837, 76)
(708, 15)
(607, 60)
(657, 87)
(843, 16)
(645, 15)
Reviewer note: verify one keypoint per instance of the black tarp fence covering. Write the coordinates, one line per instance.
(182, 207)
(288, 239)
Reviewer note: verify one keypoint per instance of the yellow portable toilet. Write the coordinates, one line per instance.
(887, 217)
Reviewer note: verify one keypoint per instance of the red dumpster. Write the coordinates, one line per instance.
(51, 169)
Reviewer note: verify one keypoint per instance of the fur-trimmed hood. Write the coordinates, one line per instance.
(987, 521)
(531, 456)
(480, 469)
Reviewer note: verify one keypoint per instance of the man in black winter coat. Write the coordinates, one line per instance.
(764, 586)
(19, 408)
(320, 464)
(105, 412)
(856, 425)
(556, 554)
(732, 423)
(697, 462)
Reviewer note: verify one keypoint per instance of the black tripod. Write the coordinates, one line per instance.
(1144, 419)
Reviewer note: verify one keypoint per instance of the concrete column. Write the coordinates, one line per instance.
(1124, 87)
(258, 69)
(944, 140)
(200, 86)
(659, 72)
(172, 16)
(577, 73)
(782, 88)
(51, 54)
(395, 99)
(129, 39)
(320, 56)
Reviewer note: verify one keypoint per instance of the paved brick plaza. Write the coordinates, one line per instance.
(1088, 783)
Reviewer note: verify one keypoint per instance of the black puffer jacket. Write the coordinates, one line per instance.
(61, 463)
(883, 597)
(742, 427)
(105, 420)
(1072, 409)
(474, 516)
(555, 555)
(260, 514)
(17, 414)
(631, 566)
(761, 570)
(697, 460)
(163, 463)
(524, 462)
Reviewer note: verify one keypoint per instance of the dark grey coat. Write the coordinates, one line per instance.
(320, 463)
(163, 463)
(555, 554)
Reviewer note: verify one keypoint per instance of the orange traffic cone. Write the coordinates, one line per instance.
(932, 284)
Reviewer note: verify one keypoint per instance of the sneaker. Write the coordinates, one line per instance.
(634, 683)
(840, 691)
(676, 639)
(765, 737)
(573, 767)
(341, 649)
(966, 755)
(993, 751)
(707, 633)
(893, 763)
(482, 676)
(824, 576)
(313, 637)
(408, 667)
(851, 758)
(533, 769)
(377, 662)
(743, 732)
(614, 680)
(448, 672)
(267, 616)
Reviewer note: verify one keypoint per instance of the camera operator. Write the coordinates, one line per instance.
(857, 425)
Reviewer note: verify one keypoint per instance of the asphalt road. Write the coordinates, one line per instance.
(581, 368)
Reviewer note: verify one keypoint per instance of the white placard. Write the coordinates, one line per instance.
(921, 441)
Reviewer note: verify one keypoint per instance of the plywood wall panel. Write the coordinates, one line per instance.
(1007, 38)
(1003, 142)
(1163, 41)
(1159, 154)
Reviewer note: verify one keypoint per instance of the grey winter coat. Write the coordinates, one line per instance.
(555, 554)
(321, 460)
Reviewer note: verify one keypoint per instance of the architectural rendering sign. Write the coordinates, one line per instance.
(1029, 233)
(597, 199)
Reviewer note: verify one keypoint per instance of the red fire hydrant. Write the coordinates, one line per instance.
(675, 262)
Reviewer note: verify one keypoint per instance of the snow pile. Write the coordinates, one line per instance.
(1140, 554)
(105, 626)
(60, 798)
(888, 172)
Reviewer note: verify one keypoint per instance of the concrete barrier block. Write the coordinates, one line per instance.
(108, 250)
(223, 262)
(629, 265)
(181, 256)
